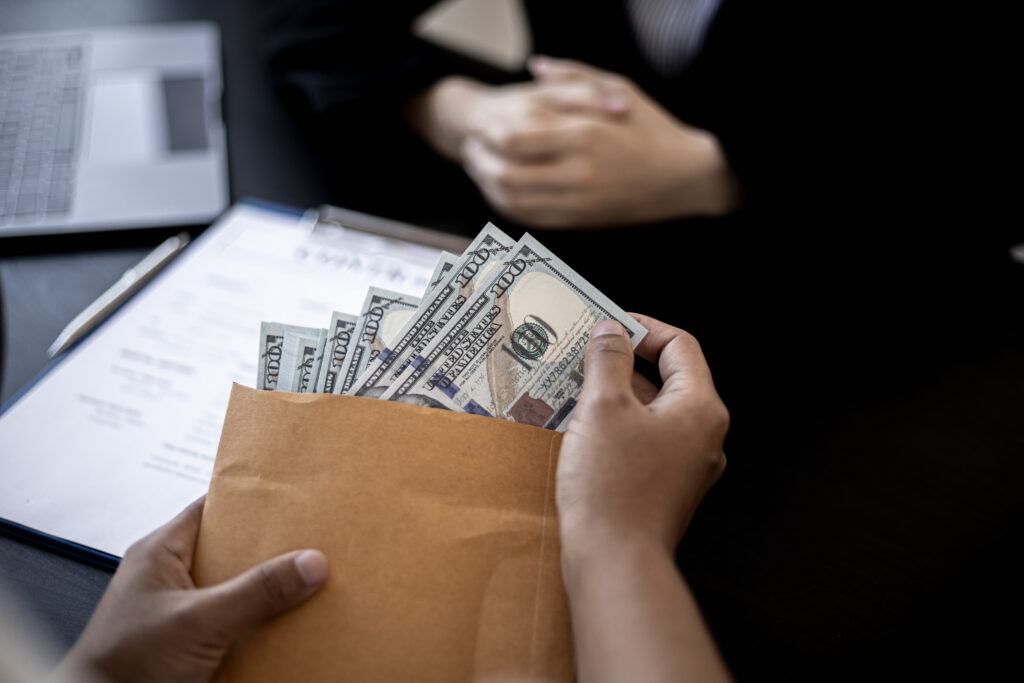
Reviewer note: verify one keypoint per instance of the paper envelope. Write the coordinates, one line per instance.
(440, 529)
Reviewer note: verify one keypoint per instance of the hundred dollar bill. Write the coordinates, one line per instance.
(515, 350)
(383, 314)
(298, 361)
(445, 262)
(481, 258)
(318, 359)
(271, 339)
(340, 334)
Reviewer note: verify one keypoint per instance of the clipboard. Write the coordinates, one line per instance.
(21, 497)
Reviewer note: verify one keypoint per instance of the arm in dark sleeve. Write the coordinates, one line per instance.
(344, 68)
(357, 56)
(735, 89)
(766, 85)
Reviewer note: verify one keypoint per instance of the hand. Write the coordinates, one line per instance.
(578, 147)
(153, 624)
(633, 467)
(582, 170)
(446, 113)
(635, 461)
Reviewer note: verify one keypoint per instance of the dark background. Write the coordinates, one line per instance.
(868, 341)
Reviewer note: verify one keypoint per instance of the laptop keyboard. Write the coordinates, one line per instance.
(41, 91)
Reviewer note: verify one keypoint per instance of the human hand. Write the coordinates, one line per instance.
(153, 624)
(447, 112)
(559, 160)
(636, 461)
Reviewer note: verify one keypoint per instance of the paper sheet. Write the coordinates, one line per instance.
(122, 434)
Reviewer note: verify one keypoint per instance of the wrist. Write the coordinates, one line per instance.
(593, 545)
(705, 183)
(441, 113)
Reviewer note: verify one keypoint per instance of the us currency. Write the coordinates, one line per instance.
(340, 334)
(299, 361)
(481, 258)
(271, 340)
(445, 262)
(382, 315)
(515, 351)
(321, 346)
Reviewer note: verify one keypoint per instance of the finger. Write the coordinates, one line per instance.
(677, 353)
(536, 141)
(552, 68)
(490, 166)
(584, 97)
(643, 388)
(659, 336)
(262, 592)
(613, 87)
(539, 206)
(608, 364)
(177, 537)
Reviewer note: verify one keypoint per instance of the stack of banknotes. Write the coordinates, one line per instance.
(499, 331)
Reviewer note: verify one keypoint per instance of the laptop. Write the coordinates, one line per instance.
(112, 128)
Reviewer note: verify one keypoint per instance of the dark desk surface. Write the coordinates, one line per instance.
(868, 517)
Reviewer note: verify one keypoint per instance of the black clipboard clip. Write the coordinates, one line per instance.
(326, 218)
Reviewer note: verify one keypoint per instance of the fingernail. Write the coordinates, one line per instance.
(607, 327)
(312, 566)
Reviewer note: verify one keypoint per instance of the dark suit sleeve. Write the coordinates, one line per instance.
(740, 89)
(353, 55)
(771, 85)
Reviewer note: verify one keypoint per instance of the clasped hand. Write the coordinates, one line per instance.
(576, 147)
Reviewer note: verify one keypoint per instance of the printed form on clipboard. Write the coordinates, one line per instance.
(121, 432)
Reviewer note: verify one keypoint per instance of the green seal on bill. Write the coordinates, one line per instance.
(530, 341)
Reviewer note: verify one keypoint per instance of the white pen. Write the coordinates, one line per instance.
(128, 284)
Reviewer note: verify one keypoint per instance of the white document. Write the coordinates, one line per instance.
(121, 435)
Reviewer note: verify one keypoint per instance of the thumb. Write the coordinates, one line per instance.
(256, 595)
(608, 364)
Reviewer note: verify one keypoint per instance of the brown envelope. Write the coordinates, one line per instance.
(440, 529)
